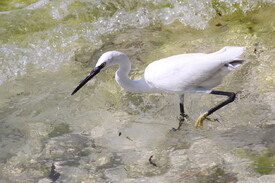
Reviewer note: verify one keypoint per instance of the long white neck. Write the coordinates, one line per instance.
(122, 78)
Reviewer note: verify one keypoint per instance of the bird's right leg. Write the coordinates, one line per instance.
(183, 116)
(231, 97)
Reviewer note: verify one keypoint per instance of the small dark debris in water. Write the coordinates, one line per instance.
(250, 29)
(119, 133)
(54, 175)
(258, 49)
(126, 170)
(218, 24)
(129, 138)
(219, 13)
(151, 162)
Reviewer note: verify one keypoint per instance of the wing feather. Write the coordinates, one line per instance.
(182, 72)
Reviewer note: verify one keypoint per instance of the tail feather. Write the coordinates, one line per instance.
(229, 54)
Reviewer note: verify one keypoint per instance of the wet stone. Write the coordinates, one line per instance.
(59, 129)
(67, 148)
(217, 175)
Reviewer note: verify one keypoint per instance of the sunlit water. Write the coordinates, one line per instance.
(104, 134)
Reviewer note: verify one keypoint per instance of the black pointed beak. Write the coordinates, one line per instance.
(93, 73)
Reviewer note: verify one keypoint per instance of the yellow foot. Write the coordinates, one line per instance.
(202, 117)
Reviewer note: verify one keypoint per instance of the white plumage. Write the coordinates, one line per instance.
(185, 73)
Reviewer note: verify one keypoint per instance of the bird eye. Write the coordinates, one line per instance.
(103, 64)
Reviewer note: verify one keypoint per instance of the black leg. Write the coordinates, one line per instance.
(231, 98)
(183, 116)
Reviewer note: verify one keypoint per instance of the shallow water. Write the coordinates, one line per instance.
(104, 134)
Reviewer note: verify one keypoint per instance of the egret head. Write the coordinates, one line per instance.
(107, 59)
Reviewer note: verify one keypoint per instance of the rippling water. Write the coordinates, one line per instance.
(104, 134)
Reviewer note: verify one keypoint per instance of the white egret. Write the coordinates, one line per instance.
(185, 73)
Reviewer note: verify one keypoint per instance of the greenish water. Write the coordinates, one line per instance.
(104, 134)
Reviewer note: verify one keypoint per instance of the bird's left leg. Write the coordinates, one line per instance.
(183, 116)
(231, 97)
